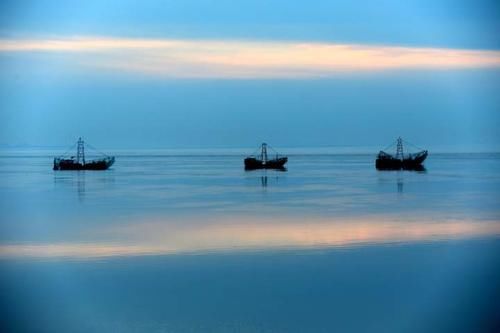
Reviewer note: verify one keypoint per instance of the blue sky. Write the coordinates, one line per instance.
(165, 74)
(451, 23)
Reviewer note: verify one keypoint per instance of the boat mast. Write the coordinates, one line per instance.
(399, 149)
(263, 154)
(80, 152)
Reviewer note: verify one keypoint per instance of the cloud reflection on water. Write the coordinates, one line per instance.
(232, 235)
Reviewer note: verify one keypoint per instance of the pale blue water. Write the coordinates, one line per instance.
(182, 241)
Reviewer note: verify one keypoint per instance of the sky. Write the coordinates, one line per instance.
(201, 74)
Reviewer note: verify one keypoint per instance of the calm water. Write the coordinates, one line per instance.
(183, 241)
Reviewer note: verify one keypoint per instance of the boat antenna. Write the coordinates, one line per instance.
(263, 153)
(80, 152)
(399, 149)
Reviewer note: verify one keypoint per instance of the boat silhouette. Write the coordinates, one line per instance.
(80, 163)
(400, 161)
(262, 161)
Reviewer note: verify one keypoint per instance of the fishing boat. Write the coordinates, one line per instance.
(80, 163)
(400, 161)
(262, 160)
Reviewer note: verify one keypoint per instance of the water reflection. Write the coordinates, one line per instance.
(265, 180)
(77, 181)
(195, 192)
(80, 185)
(74, 180)
(400, 185)
(243, 233)
(265, 177)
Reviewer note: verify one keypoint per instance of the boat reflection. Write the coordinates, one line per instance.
(78, 181)
(265, 180)
(74, 180)
(400, 185)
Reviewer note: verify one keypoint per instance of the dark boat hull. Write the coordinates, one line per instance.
(252, 163)
(414, 162)
(69, 164)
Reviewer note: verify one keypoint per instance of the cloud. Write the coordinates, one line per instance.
(247, 59)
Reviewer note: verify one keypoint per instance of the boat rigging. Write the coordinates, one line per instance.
(262, 160)
(80, 163)
(400, 161)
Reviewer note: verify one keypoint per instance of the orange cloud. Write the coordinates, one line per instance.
(249, 59)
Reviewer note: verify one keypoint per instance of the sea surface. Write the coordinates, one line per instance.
(188, 241)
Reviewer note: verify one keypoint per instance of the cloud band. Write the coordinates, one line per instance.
(247, 59)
